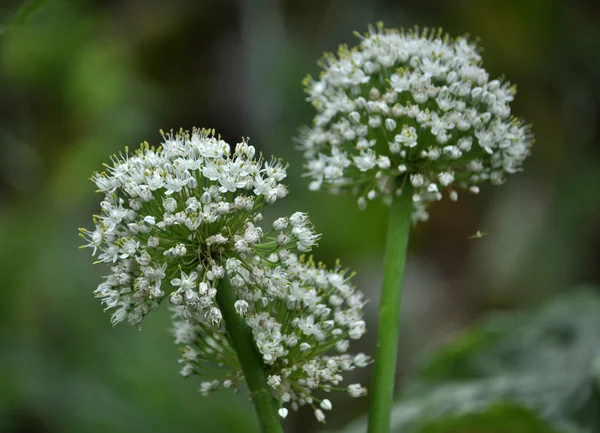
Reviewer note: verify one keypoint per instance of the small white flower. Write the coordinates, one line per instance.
(150, 220)
(355, 390)
(186, 281)
(241, 307)
(319, 415)
(274, 381)
(218, 272)
(361, 360)
(326, 405)
(304, 347)
(417, 180)
(384, 162)
(214, 315)
(280, 223)
(362, 203)
(357, 330)
(298, 219)
(187, 370)
(446, 178)
(282, 239)
(366, 160)
(170, 204)
(390, 124)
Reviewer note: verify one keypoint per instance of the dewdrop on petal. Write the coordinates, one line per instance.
(177, 219)
(433, 108)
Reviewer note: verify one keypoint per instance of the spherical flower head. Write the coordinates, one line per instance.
(172, 215)
(303, 317)
(410, 108)
(178, 219)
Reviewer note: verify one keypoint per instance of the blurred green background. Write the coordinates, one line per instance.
(80, 80)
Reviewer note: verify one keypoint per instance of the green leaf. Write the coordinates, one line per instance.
(498, 418)
(541, 365)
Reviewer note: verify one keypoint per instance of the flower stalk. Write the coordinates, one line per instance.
(414, 106)
(384, 373)
(250, 360)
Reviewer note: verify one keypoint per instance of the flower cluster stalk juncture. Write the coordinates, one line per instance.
(250, 360)
(181, 226)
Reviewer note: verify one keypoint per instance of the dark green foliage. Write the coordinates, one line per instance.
(498, 418)
(26, 10)
(525, 372)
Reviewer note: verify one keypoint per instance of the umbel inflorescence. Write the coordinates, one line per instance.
(179, 220)
(410, 106)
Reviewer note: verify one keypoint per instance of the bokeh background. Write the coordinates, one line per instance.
(80, 80)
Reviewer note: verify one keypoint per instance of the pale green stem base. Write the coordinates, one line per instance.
(384, 372)
(250, 360)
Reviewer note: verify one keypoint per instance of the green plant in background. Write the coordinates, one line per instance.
(23, 13)
(406, 116)
(181, 224)
(515, 372)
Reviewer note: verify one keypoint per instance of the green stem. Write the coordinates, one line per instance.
(384, 372)
(250, 360)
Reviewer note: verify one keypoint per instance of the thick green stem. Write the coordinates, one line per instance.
(250, 360)
(384, 372)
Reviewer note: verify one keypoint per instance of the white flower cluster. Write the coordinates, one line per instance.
(412, 106)
(177, 220)
(298, 312)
